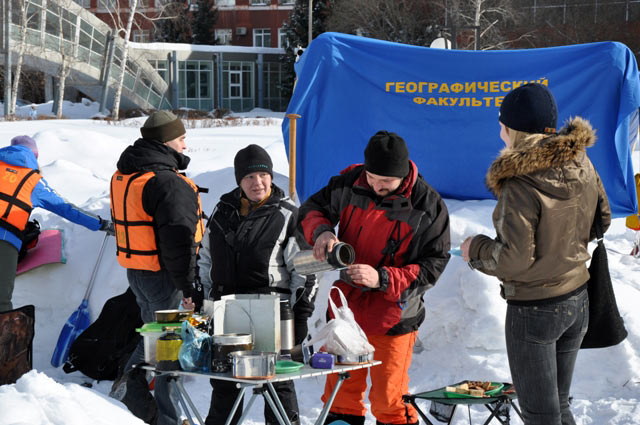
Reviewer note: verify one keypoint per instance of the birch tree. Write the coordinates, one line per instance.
(26, 16)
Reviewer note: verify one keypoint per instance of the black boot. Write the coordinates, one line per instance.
(350, 419)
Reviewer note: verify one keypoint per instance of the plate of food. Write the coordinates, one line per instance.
(474, 389)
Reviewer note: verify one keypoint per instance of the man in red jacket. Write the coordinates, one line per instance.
(399, 228)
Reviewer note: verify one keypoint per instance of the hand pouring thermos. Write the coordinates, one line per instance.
(341, 256)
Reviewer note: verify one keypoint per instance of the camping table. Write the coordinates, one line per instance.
(269, 393)
(494, 404)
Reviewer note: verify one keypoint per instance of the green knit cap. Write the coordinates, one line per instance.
(162, 126)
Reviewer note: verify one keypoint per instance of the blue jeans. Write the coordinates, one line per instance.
(155, 291)
(542, 346)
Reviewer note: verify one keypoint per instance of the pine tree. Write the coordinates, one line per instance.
(297, 31)
(203, 21)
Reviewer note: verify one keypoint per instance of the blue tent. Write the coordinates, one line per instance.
(445, 104)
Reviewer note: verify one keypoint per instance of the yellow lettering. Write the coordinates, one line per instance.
(422, 84)
(470, 87)
(432, 101)
(419, 100)
(412, 87)
(453, 100)
(505, 86)
(483, 86)
(400, 87)
(499, 100)
(465, 101)
(432, 87)
(494, 86)
(443, 101)
(389, 85)
(456, 87)
(475, 102)
(544, 82)
(444, 88)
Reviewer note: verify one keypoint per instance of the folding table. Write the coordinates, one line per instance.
(498, 404)
(269, 393)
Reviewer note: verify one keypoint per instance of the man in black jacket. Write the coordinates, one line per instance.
(158, 224)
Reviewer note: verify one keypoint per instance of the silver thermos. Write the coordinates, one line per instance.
(341, 256)
(287, 337)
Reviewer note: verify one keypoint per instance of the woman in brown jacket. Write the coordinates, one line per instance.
(548, 192)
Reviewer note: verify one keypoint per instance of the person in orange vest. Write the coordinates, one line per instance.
(22, 189)
(157, 216)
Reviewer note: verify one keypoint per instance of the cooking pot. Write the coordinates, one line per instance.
(224, 345)
(170, 316)
(354, 358)
(254, 364)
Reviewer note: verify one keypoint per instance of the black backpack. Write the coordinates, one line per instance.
(102, 350)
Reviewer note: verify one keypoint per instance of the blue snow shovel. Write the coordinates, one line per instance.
(78, 321)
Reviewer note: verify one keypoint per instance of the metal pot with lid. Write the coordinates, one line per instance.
(224, 345)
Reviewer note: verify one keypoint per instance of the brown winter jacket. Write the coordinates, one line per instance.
(548, 192)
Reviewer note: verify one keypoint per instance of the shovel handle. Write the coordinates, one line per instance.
(95, 268)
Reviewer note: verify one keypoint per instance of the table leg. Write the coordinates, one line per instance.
(325, 410)
(236, 404)
(182, 395)
(189, 401)
(422, 415)
(274, 408)
(278, 403)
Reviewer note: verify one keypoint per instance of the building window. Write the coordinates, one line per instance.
(282, 38)
(161, 66)
(142, 36)
(238, 86)
(84, 3)
(195, 84)
(260, 2)
(224, 36)
(225, 2)
(262, 37)
(287, 2)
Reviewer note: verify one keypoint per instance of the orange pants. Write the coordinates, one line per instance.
(389, 382)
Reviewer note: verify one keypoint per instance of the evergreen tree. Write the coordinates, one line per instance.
(177, 28)
(297, 34)
(203, 21)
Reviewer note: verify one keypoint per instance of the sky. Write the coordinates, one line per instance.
(461, 338)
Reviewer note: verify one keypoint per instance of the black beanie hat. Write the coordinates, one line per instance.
(387, 155)
(530, 108)
(250, 160)
(162, 126)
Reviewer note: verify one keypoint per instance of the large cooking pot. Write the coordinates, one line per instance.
(254, 364)
(224, 345)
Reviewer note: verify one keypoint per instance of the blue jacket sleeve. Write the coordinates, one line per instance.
(44, 196)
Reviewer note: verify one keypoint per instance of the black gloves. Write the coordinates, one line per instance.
(197, 294)
(107, 226)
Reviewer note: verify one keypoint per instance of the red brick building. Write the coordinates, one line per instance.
(255, 23)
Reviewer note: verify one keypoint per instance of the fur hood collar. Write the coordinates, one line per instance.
(538, 153)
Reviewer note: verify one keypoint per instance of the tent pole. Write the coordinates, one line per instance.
(292, 154)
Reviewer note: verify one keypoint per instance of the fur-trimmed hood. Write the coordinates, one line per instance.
(555, 164)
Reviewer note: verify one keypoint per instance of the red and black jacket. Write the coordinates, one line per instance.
(404, 235)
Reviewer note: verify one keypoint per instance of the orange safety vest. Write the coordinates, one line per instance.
(16, 185)
(134, 228)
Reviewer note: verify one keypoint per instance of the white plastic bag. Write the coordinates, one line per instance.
(342, 335)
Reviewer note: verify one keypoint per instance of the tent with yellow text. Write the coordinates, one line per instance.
(445, 104)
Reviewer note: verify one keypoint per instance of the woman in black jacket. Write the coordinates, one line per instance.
(248, 248)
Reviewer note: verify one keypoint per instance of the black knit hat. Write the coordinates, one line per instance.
(251, 160)
(387, 155)
(162, 126)
(530, 108)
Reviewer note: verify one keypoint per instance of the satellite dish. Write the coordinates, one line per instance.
(441, 43)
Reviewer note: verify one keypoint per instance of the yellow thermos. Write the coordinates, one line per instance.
(167, 349)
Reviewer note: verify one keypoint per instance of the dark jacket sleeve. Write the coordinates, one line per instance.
(174, 207)
(321, 212)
